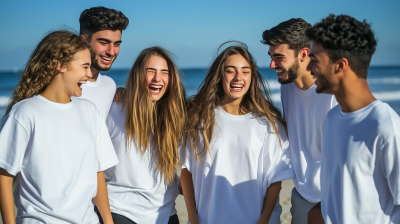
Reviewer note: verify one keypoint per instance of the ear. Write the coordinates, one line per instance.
(83, 37)
(303, 54)
(341, 65)
(61, 68)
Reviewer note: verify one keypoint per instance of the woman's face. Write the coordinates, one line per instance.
(157, 74)
(237, 77)
(76, 73)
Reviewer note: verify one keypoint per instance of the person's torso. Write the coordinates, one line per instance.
(101, 93)
(59, 170)
(305, 112)
(354, 187)
(135, 187)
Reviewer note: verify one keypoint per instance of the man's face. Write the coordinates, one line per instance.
(285, 63)
(322, 69)
(104, 48)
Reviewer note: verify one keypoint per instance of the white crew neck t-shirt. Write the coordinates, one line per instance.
(360, 172)
(56, 150)
(101, 93)
(135, 187)
(246, 158)
(305, 112)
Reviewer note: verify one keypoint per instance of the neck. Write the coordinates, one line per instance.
(305, 80)
(232, 106)
(95, 74)
(353, 94)
(54, 92)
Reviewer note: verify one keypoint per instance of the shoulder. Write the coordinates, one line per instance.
(25, 107)
(387, 119)
(82, 102)
(106, 80)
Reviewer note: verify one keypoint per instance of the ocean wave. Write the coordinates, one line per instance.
(4, 101)
(387, 80)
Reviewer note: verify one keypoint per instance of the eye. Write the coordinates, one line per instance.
(117, 44)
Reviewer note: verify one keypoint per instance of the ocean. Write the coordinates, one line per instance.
(383, 81)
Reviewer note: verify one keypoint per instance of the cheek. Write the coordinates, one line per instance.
(166, 81)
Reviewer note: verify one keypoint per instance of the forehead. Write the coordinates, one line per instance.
(157, 61)
(112, 35)
(280, 49)
(237, 60)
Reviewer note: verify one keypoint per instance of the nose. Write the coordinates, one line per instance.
(272, 64)
(89, 73)
(156, 77)
(238, 76)
(111, 49)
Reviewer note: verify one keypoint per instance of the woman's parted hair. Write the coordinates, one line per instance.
(56, 48)
(164, 119)
(200, 107)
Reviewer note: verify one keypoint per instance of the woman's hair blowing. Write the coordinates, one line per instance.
(56, 48)
(159, 124)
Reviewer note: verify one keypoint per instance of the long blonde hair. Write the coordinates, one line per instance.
(164, 119)
(200, 109)
(56, 48)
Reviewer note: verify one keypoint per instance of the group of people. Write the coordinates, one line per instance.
(79, 157)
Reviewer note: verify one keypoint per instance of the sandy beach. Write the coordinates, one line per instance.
(287, 187)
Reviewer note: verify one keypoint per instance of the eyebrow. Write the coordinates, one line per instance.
(86, 64)
(231, 66)
(277, 55)
(108, 41)
(153, 69)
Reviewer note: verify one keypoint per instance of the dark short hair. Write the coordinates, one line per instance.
(291, 32)
(345, 37)
(101, 18)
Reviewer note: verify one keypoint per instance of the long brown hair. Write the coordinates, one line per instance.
(164, 119)
(200, 109)
(56, 48)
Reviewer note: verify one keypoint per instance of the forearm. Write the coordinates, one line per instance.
(188, 193)
(101, 199)
(315, 215)
(6, 197)
(271, 197)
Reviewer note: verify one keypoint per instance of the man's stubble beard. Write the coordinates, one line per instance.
(95, 63)
(293, 73)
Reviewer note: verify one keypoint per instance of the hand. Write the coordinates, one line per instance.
(315, 215)
(118, 94)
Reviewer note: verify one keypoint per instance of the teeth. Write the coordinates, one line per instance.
(107, 59)
(237, 86)
(279, 71)
(83, 82)
(157, 87)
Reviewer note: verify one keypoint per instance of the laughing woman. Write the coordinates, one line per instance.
(145, 129)
(236, 146)
(57, 146)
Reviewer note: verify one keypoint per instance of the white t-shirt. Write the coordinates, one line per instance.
(101, 93)
(305, 112)
(135, 187)
(246, 158)
(56, 150)
(360, 172)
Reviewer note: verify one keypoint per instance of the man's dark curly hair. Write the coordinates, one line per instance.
(292, 32)
(101, 18)
(345, 37)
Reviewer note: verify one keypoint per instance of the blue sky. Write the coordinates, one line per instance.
(192, 30)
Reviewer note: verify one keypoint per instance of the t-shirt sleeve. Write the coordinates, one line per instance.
(185, 155)
(14, 140)
(391, 165)
(277, 164)
(105, 150)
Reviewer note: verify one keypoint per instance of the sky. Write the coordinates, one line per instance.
(191, 30)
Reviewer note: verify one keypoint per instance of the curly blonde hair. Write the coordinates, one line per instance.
(56, 48)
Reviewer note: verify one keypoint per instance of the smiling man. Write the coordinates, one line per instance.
(102, 28)
(303, 108)
(360, 161)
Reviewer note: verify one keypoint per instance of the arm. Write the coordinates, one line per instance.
(101, 199)
(315, 215)
(271, 197)
(6, 197)
(188, 193)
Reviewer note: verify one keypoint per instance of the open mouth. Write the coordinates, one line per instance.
(237, 87)
(280, 72)
(155, 89)
(81, 82)
(105, 60)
